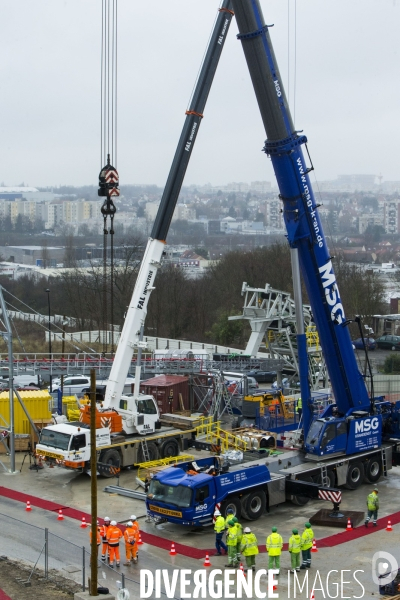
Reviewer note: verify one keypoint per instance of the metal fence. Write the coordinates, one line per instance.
(53, 556)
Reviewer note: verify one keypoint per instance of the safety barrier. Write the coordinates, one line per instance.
(151, 466)
(214, 434)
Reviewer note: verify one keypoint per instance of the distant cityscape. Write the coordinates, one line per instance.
(351, 204)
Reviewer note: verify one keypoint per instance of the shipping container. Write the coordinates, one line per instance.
(166, 389)
(37, 403)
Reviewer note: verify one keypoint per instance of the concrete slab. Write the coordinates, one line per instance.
(323, 518)
(71, 569)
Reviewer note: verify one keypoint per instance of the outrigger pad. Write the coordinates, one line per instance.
(323, 517)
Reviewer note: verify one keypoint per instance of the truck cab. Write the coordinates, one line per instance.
(356, 431)
(139, 414)
(187, 493)
(69, 443)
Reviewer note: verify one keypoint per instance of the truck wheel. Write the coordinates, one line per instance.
(110, 457)
(355, 476)
(233, 504)
(302, 500)
(330, 479)
(153, 452)
(169, 448)
(253, 505)
(373, 470)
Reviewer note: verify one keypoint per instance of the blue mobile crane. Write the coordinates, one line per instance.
(356, 439)
(356, 423)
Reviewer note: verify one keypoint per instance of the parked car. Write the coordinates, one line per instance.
(388, 342)
(73, 384)
(34, 381)
(56, 381)
(262, 376)
(370, 343)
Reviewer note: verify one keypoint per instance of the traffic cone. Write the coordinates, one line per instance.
(349, 525)
(140, 539)
(242, 569)
(28, 506)
(207, 561)
(173, 552)
(314, 546)
(60, 515)
(83, 523)
(389, 526)
(312, 597)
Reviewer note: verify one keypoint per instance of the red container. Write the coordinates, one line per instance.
(166, 389)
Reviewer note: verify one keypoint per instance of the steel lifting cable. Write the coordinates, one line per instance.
(108, 178)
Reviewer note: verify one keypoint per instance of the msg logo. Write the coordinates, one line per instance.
(367, 425)
(384, 568)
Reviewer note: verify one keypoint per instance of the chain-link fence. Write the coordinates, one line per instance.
(53, 557)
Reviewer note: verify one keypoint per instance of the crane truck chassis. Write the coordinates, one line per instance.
(68, 445)
(189, 493)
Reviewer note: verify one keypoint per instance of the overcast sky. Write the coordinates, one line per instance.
(347, 95)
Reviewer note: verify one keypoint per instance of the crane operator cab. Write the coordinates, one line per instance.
(357, 431)
(139, 415)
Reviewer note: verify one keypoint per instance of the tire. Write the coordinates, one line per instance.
(234, 504)
(154, 453)
(355, 475)
(331, 477)
(373, 470)
(169, 448)
(110, 457)
(253, 505)
(302, 500)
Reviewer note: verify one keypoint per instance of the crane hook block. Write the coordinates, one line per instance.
(108, 181)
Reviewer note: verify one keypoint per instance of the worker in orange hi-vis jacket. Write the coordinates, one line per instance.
(103, 533)
(98, 539)
(137, 535)
(114, 534)
(130, 543)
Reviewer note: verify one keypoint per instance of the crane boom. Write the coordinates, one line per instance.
(136, 314)
(300, 211)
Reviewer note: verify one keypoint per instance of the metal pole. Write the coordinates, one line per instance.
(11, 379)
(46, 553)
(93, 482)
(48, 302)
(83, 569)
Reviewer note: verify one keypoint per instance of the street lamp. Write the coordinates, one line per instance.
(48, 303)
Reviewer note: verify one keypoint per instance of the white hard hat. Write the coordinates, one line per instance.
(106, 518)
(129, 523)
(247, 530)
(133, 517)
(113, 523)
(217, 513)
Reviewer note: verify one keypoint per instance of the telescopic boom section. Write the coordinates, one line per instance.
(284, 146)
(137, 310)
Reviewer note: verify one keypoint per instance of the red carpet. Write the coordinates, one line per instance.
(154, 540)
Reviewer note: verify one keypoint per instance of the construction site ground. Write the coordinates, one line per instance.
(50, 489)
(11, 573)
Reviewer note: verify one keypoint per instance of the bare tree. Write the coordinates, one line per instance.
(45, 254)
